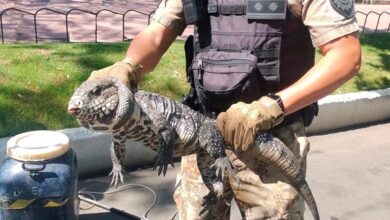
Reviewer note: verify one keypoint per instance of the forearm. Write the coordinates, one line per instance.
(340, 63)
(148, 46)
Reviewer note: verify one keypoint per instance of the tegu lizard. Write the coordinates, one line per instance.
(173, 130)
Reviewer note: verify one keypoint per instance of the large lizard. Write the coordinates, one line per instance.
(173, 130)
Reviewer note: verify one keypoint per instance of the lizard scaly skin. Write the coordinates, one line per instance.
(173, 130)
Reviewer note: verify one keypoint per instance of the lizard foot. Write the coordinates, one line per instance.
(163, 159)
(117, 174)
(208, 202)
(221, 165)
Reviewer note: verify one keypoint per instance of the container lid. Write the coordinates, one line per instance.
(37, 145)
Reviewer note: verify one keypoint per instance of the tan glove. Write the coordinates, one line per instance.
(126, 70)
(241, 122)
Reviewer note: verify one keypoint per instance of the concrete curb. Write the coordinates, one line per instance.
(336, 112)
(351, 109)
(93, 151)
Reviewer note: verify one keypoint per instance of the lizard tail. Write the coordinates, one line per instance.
(274, 152)
(307, 195)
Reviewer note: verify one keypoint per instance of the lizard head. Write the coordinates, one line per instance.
(100, 103)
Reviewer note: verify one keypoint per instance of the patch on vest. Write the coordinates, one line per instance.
(266, 9)
(343, 7)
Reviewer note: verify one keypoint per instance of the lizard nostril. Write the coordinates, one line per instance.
(73, 111)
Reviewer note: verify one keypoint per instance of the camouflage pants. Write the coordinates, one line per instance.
(263, 193)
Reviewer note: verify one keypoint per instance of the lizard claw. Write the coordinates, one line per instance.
(163, 159)
(162, 165)
(221, 165)
(117, 174)
(208, 202)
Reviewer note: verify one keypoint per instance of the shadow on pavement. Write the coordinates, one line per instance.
(102, 216)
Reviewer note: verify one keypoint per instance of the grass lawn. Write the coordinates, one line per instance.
(36, 81)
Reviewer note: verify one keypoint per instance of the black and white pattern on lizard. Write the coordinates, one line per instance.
(173, 130)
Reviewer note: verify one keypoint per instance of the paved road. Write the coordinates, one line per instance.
(348, 173)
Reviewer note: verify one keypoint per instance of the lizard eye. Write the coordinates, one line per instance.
(96, 91)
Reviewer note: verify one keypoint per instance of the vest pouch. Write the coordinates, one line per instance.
(224, 78)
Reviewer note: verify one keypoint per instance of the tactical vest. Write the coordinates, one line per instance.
(244, 49)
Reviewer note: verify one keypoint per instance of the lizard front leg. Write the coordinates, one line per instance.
(211, 140)
(213, 163)
(118, 151)
(214, 183)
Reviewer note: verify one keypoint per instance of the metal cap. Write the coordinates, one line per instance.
(37, 145)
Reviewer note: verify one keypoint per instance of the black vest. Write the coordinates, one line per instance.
(244, 49)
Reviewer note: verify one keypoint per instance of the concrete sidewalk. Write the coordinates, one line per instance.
(347, 171)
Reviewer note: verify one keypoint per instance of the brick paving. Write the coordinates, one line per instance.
(373, 18)
(19, 27)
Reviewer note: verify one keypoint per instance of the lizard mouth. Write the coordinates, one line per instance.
(74, 111)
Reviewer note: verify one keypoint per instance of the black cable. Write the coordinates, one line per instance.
(83, 193)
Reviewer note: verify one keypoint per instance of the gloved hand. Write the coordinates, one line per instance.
(241, 122)
(126, 70)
